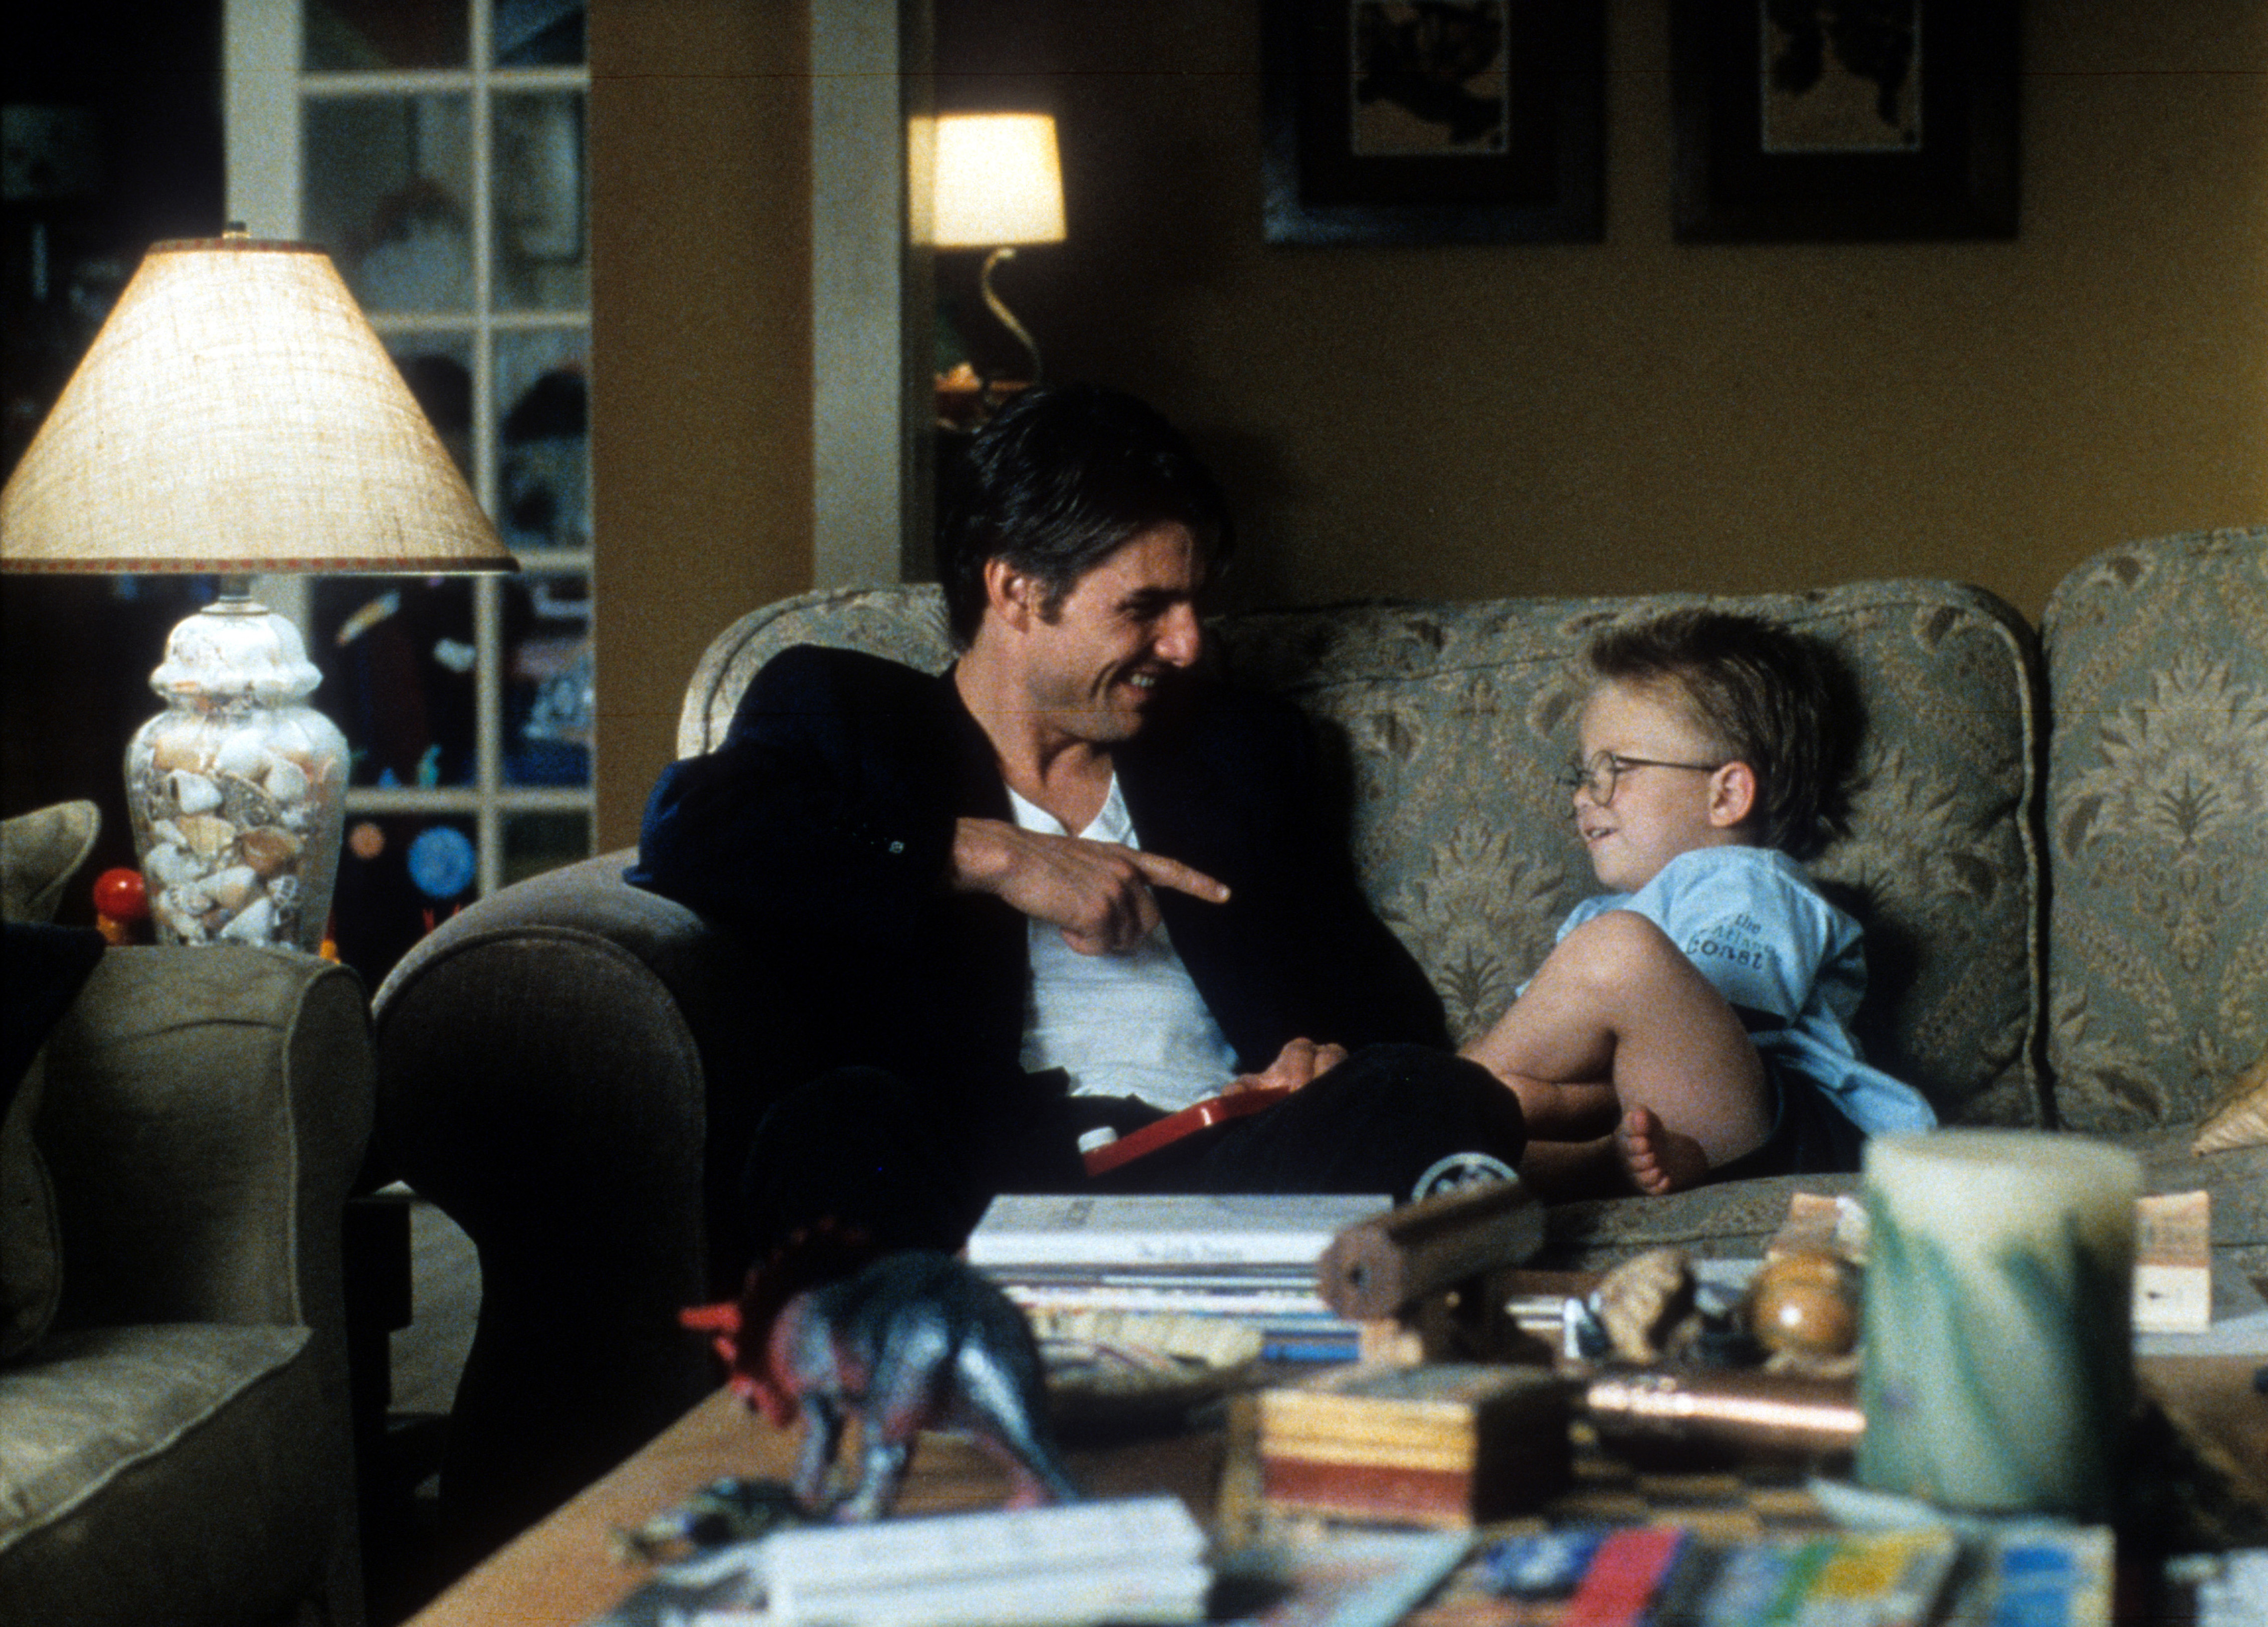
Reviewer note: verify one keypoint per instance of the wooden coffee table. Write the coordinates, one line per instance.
(561, 1571)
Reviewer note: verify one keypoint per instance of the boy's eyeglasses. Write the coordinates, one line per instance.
(1601, 774)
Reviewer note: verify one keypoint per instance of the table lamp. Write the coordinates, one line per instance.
(995, 183)
(237, 415)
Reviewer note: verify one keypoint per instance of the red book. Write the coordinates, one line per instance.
(1628, 1570)
(1174, 1126)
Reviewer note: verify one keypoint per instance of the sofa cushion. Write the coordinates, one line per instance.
(1448, 722)
(2157, 782)
(42, 969)
(181, 1429)
(92, 1404)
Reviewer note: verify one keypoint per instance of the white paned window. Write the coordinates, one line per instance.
(435, 148)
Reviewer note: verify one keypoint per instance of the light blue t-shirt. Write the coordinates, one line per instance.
(1789, 964)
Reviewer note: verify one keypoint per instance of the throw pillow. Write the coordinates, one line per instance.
(43, 969)
(39, 852)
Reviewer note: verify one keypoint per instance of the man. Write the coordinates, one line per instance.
(1069, 883)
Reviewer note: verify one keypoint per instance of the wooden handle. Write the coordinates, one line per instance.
(1384, 1265)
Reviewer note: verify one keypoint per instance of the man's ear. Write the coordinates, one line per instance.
(1732, 795)
(1013, 595)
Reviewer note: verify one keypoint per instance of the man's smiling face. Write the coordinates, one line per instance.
(1092, 665)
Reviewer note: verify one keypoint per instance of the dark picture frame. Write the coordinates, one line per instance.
(1434, 122)
(1781, 139)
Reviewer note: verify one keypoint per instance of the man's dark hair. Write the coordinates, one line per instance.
(1779, 700)
(1059, 480)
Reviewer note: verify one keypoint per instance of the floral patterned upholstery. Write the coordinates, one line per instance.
(1446, 723)
(2157, 948)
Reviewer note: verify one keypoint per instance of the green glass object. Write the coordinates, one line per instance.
(1999, 1360)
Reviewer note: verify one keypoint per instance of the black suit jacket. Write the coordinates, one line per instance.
(821, 832)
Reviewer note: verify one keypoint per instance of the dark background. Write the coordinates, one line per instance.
(76, 652)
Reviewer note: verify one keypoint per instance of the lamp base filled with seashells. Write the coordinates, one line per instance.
(237, 790)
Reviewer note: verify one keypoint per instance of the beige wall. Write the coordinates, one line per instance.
(1461, 422)
(700, 351)
(1455, 421)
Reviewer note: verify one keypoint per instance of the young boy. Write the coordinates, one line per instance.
(1692, 1023)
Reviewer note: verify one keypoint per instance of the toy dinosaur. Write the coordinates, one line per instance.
(907, 1341)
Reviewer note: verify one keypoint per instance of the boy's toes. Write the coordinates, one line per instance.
(1657, 1158)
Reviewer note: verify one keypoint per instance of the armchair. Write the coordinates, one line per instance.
(174, 1443)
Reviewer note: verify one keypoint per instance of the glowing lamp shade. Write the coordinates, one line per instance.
(237, 415)
(996, 181)
(988, 180)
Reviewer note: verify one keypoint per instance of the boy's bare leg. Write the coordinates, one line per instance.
(1617, 1020)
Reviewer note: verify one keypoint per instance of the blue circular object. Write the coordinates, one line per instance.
(441, 862)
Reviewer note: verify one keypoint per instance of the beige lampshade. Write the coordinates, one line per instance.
(237, 414)
(995, 181)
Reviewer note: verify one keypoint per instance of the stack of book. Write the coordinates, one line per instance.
(1117, 1560)
(1126, 1560)
(1247, 1259)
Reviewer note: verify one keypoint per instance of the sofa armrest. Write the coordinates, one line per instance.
(546, 1064)
(205, 1111)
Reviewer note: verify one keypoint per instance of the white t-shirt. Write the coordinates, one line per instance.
(1789, 961)
(1120, 1024)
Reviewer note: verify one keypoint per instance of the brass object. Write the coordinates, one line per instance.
(1806, 1304)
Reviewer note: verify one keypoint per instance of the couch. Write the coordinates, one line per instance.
(2059, 847)
(173, 1404)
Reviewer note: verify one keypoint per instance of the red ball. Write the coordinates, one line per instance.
(120, 894)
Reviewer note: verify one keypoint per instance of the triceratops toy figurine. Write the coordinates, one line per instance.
(909, 1341)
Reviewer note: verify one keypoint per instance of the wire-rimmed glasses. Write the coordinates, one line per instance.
(1605, 769)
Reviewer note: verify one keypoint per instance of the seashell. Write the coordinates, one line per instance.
(240, 754)
(1642, 1302)
(202, 833)
(192, 793)
(165, 830)
(184, 926)
(205, 834)
(269, 849)
(286, 781)
(168, 865)
(234, 887)
(243, 803)
(166, 755)
(284, 890)
(186, 901)
(255, 926)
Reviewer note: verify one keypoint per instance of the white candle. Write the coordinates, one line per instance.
(1999, 1358)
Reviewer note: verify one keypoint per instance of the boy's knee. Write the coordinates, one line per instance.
(1619, 950)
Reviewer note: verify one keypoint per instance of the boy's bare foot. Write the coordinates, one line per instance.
(1657, 1158)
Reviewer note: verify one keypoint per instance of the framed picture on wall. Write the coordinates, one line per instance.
(1432, 121)
(1823, 121)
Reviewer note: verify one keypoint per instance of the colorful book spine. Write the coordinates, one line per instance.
(1625, 1574)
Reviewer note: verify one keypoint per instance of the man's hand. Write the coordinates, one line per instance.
(1097, 893)
(1300, 1062)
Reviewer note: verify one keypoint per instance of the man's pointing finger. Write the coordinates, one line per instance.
(1163, 871)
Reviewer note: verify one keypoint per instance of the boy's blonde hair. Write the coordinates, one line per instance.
(1775, 699)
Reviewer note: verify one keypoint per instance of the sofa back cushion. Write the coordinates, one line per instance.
(2157, 826)
(1447, 722)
